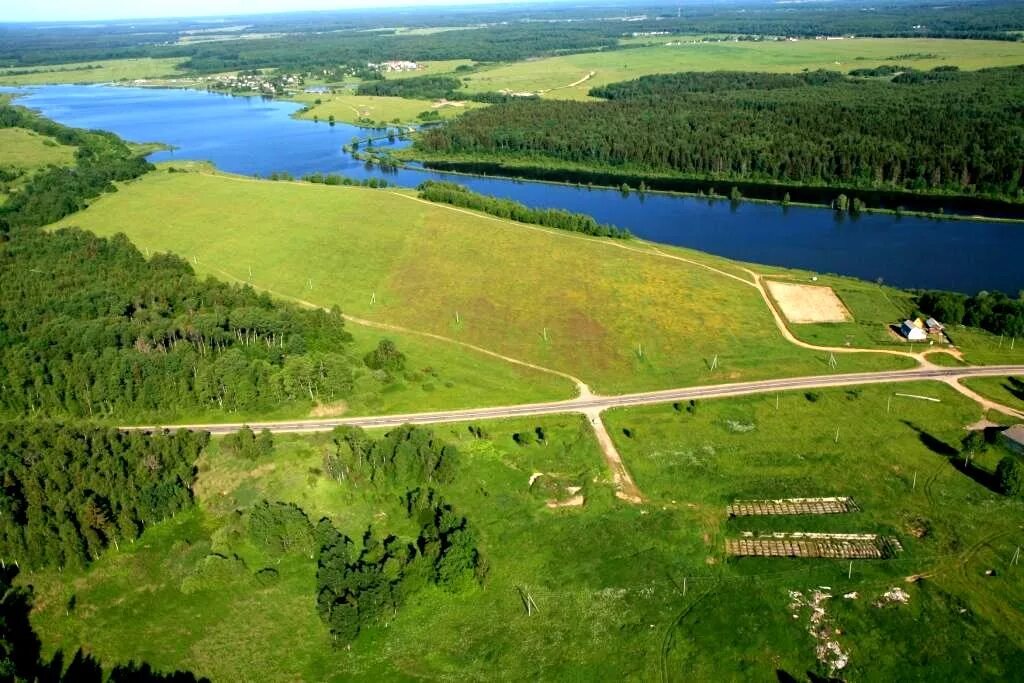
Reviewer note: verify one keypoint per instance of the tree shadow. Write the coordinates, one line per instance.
(933, 443)
(955, 458)
(24, 649)
(811, 677)
(978, 474)
(1015, 387)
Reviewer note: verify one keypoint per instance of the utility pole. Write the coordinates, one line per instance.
(714, 363)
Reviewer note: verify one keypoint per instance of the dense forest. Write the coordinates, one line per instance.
(91, 328)
(70, 491)
(560, 219)
(955, 132)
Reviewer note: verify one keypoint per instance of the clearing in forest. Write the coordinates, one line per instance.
(808, 303)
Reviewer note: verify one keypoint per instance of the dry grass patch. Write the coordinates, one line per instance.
(809, 303)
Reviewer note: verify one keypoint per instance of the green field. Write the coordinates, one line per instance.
(623, 591)
(28, 150)
(368, 109)
(108, 71)
(553, 76)
(1008, 391)
(617, 315)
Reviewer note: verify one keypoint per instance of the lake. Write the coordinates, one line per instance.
(253, 136)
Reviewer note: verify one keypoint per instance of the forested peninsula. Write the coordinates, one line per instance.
(945, 134)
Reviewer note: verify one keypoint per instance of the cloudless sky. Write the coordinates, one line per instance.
(102, 10)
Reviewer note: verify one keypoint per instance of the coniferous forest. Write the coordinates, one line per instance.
(945, 131)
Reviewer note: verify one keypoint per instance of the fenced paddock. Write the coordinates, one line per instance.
(792, 506)
(814, 545)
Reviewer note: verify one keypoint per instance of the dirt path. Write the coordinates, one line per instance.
(573, 84)
(625, 488)
(985, 403)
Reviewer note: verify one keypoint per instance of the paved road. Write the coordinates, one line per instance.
(595, 404)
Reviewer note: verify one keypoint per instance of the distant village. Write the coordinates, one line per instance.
(256, 82)
(284, 84)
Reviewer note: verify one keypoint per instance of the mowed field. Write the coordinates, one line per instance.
(108, 71)
(553, 76)
(363, 109)
(615, 314)
(623, 592)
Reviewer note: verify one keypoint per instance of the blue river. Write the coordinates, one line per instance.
(254, 136)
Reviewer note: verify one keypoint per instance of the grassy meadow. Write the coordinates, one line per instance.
(553, 76)
(87, 72)
(616, 315)
(641, 592)
(369, 109)
(28, 150)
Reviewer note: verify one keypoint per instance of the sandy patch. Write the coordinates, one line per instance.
(447, 103)
(808, 303)
(574, 502)
(335, 409)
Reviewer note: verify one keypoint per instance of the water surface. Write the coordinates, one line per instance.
(251, 136)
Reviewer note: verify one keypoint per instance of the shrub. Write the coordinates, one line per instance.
(1010, 476)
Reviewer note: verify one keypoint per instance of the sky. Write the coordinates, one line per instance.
(103, 10)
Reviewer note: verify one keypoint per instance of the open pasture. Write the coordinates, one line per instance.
(553, 76)
(28, 150)
(107, 71)
(611, 313)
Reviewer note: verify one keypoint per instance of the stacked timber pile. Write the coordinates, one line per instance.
(792, 506)
(836, 546)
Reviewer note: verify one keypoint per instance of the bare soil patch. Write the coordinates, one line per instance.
(808, 303)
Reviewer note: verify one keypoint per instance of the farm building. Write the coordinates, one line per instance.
(933, 326)
(1014, 438)
(912, 331)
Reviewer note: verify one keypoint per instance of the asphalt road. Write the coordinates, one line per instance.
(596, 404)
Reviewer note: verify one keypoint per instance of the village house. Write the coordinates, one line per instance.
(1013, 438)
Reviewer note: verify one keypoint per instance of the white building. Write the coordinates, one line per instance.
(912, 332)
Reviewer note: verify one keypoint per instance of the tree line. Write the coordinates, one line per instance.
(995, 312)
(70, 490)
(433, 88)
(560, 219)
(961, 133)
